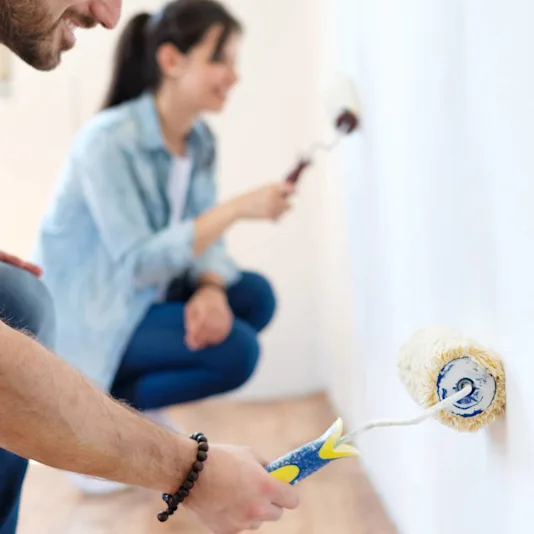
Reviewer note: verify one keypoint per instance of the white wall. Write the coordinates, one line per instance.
(340, 364)
(277, 100)
(440, 199)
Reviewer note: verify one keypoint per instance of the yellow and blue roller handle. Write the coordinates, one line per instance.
(306, 460)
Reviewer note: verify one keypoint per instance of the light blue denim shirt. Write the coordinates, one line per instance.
(106, 244)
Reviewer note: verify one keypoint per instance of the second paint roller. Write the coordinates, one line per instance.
(344, 111)
(458, 381)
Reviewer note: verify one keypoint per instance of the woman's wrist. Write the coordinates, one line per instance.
(235, 208)
(212, 281)
(212, 287)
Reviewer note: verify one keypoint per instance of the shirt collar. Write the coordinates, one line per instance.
(151, 134)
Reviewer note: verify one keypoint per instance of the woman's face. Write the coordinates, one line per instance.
(203, 82)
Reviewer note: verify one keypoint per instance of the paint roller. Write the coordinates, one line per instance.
(343, 107)
(456, 380)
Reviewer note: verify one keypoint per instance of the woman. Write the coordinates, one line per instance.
(149, 304)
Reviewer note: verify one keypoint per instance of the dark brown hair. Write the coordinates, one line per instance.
(183, 23)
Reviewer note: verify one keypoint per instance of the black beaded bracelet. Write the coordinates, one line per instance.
(174, 500)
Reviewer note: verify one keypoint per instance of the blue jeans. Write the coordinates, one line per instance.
(25, 304)
(158, 370)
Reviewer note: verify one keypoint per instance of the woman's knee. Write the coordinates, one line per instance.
(261, 297)
(25, 303)
(240, 353)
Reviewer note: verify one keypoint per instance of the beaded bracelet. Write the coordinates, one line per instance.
(174, 500)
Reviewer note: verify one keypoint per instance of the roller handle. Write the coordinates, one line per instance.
(346, 122)
(308, 459)
(296, 465)
(295, 174)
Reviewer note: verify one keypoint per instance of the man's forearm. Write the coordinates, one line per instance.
(50, 413)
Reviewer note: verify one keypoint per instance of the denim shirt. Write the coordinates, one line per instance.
(106, 244)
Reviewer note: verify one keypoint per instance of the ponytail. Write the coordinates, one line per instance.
(182, 23)
(129, 78)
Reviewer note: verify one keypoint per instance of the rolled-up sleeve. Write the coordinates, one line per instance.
(216, 260)
(116, 205)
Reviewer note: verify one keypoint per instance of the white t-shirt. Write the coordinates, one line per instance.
(177, 189)
(178, 186)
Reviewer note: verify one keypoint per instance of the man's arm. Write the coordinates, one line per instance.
(50, 413)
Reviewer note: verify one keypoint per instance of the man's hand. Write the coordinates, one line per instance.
(208, 318)
(235, 493)
(21, 264)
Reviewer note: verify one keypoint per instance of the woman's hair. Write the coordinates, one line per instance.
(183, 23)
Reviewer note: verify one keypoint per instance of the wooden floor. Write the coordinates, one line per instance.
(336, 500)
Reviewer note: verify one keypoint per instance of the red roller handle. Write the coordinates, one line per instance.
(294, 176)
(346, 123)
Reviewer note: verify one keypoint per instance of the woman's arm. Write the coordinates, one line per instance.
(120, 216)
(119, 212)
(212, 224)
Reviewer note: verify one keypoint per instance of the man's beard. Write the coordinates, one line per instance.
(30, 31)
(25, 28)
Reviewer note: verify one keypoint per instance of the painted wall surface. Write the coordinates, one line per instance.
(439, 190)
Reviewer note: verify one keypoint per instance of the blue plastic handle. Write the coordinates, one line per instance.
(306, 460)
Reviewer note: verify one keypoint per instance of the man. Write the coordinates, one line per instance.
(48, 411)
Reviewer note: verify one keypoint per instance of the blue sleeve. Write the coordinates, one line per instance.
(115, 203)
(216, 260)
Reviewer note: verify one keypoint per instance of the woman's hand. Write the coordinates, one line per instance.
(21, 264)
(268, 202)
(208, 318)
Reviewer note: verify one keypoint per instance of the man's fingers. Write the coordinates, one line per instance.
(261, 459)
(12, 260)
(34, 269)
(21, 264)
(273, 513)
(284, 495)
